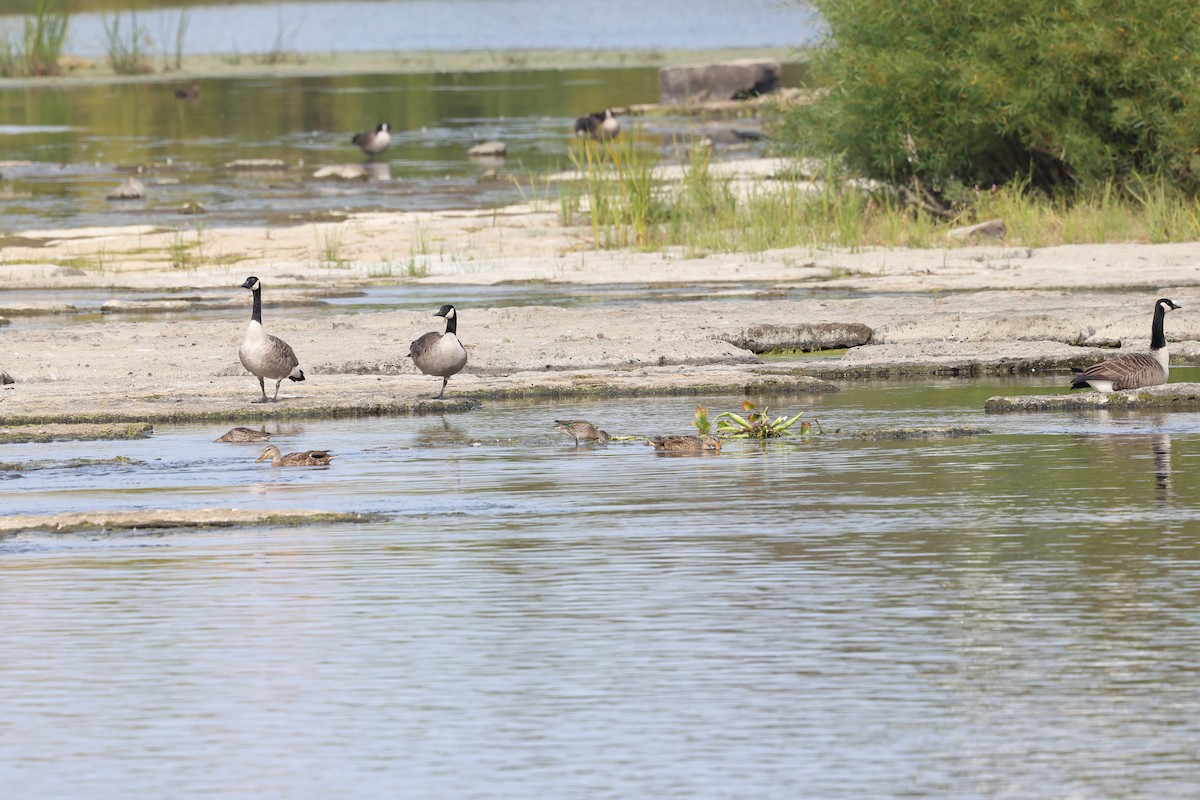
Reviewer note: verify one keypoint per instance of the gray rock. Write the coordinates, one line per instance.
(492, 149)
(730, 80)
(5, 378)
(1175, 396)
(938, 432)
(992, 228)
(130, 189)
(67, 272)
(256, 164)
(342, 172)
(192, 207)
(803, 336)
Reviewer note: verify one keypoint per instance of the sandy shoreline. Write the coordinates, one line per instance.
(953, 310)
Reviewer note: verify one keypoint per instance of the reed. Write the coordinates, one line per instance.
(126, 50)
(37, 51)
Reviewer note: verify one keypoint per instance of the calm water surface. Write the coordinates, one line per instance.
(1003, 616)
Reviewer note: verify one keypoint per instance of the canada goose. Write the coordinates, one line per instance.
(440, 354)
(1132, 370)
(599, 125)
(307, 458)
(680, 444)
(190, 93)
(374, 142)
(579, 429)
(240, 434)
(264, 355)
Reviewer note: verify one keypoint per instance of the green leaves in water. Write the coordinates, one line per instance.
(756, 424)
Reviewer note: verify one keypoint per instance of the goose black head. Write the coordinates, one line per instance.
(446, 311)
(252, 283)
(1166, 305)
(383, 127)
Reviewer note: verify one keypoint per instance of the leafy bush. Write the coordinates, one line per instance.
(37, 50)
(940, 96)
(126, 50)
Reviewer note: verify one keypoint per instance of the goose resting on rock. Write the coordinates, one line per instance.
(440, 354)
(307, 458)
(581, 430)
(1132, 370)
(264, 355)
(374, 142)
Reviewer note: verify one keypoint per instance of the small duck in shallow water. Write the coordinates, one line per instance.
(684, 444)
(240, 434)
(307, 458)
(581, 430)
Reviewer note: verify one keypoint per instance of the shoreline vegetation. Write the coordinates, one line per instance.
(76, 69)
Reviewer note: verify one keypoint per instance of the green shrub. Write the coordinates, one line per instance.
(941, 96)
(126, 51)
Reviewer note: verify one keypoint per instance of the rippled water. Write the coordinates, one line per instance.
(1003, 616)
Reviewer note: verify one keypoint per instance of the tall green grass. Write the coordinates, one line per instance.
(37, 50)
(626, 203)
(126, 49)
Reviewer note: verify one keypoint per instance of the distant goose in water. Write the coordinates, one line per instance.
(683, 444)
(240, 434)
(581, 430)
(307, 458)
(374, 142)
(1132, 370)
(190, 93)
(599, 125)
(440, 354)
(264, 355)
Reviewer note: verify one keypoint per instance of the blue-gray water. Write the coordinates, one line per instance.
(1004, 616)
(323, 27)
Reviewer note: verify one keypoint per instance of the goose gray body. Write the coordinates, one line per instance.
(374, 142)
(1132, 370)
(263, 355)
(440, 353)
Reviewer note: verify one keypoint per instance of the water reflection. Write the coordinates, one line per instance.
(1161, 446)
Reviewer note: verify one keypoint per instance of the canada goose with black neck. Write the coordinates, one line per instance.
(374, 142)
(264, 355)
(440, 354)
(1132, 370)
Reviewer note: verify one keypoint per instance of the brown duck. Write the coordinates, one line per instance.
(240, 434)
(581, 430)
(684, 444)
(307, 458)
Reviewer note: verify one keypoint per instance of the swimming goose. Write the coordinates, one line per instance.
(190, 93)
(374, 142)
(1132, 370)
(240, 434)
(598, 125)
(440, 354)
(264, 355)
(307, 458)
(581, 429)
(679, 444)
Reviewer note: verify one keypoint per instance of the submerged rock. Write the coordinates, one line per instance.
(1169, 396)
(803, 336)
(730, 80)
(259, 164)
(341, 172)
(947, 432)
(130, 189)
(492, 149)
(74, 432)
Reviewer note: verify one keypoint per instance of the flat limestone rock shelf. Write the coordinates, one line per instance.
(1169, 396)
(160, 519)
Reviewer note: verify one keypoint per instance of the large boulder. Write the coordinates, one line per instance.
(730, 80)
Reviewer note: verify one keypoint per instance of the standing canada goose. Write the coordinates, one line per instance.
(598, 125)
(264, 355)
(374, 142)
(440, 354)
(579, 429)
(1132, 370)
(240, 434)
(683, 444)
(307, 458)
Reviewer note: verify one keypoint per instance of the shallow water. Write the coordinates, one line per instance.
(67, 147)
(1007, 615)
